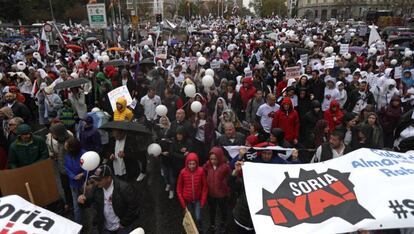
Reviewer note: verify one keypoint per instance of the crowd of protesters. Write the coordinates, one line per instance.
(364, 100)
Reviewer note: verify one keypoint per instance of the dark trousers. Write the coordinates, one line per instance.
(66, 189)
(241, 230)
(221, 204)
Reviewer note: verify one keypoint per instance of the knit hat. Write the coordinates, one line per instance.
(23, 129)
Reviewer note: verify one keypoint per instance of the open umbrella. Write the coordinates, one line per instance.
(72, 83)
(147, 61)
(116, 63)
(133, 127)
(288, 45)
(358, 50)
(115, 49)
(29, 51)
(75, 48)
(88, 39)
(146, 42)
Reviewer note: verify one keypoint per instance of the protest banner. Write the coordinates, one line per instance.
(330, 62)
(42, 185)
(117, 93)
(398, 72)
(304, 58)
(215, 64)
(21, 216)
(344, 49)
(292, 72)
(367, 189)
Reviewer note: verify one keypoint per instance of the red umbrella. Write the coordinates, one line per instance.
(75, 48)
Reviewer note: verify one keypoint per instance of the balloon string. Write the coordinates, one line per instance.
(86, 180)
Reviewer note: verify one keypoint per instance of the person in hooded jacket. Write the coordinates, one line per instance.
(217, 171)
(247, 92)
(362, 137)
(89, 136)
(389, 117)
(333, 115)
(384, 94)
(122, 113)
(377, 139)
(287, 119)
(309, 123)
(192, 188)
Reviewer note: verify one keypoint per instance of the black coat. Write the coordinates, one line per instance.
(317, 88)
(124, 202)
(353, 98)
(20, 110)
(132, 153)
(185, 125)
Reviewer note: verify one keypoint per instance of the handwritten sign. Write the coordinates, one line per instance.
(344, 49)
(118, 93)
(292, 72)
(330, 62)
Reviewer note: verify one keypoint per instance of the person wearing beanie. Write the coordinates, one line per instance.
(27, 149)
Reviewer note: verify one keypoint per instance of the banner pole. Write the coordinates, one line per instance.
(29, 192)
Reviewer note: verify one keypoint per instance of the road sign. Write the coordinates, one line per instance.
(97, 15)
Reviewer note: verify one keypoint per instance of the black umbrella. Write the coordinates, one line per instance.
(116, 63)
(133, 127)
(29, 51)
(303, 51)
(288, 45)
(147, 61)
(88, 39)
(72, 83)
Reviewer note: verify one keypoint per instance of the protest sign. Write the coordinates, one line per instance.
(398, 72)
(161, 52)
(335, 196)
(330, 62)
(117, 93)
(344, 49)
(292, 72)
(304, 58)
(215, 64)
(21, 216)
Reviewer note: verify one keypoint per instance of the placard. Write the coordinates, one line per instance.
(214, 64)
(292, 72)
(161, 52)
(304, 58)
(344, 49)
(330, 62)
(117, 93)
(398, 72)
(367, 189)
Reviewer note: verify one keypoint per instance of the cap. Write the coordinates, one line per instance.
(101, 172)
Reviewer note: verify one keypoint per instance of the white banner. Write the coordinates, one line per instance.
(292, 72)
(20, 216)
(366, 189)
(330, 62)
(304, 58)
(117, 93)
(344, 49)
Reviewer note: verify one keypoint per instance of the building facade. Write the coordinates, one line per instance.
(292, 6)
(351, 9)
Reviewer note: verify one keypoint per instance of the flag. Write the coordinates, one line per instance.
(225, 10)
(43, 46)
(373, 35)
(235, 8)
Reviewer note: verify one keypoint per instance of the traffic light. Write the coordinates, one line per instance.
(158, 18)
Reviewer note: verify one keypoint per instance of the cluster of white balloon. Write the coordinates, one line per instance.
(154, 149)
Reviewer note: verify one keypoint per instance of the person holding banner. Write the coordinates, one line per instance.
(334, 148)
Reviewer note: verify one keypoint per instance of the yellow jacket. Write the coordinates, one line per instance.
(124, 113)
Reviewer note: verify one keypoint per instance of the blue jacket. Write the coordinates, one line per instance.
(90, 139)
(73, 167)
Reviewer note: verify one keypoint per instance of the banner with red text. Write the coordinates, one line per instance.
(366, 189)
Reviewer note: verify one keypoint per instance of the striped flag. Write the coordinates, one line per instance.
(43, 46)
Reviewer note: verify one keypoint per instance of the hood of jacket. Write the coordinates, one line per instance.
(122, 101)
(333, 104)
(191, 157)
(288, 101)
(218, 151)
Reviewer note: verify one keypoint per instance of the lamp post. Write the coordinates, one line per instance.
(51, 10)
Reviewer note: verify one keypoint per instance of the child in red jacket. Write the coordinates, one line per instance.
(218, 171)
(192, 187)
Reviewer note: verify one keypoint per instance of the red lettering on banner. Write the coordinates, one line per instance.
(321, 199)
(298, 208)
(343, 190)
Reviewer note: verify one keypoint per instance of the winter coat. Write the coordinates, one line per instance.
(217, 178)
(20, 110)
(353, 98)
(288, 121)
(124, 113)
(329, 115)
(73, 168)
(252, 107)
(24, 154)
(389, 117)
(192, 185)
(178, 157)
(90, 139)
(309, 123)
(247, 94)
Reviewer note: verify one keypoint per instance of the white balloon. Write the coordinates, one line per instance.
(347, 55)
(190, 90)
(196, 106)
(372, 50)
(209, 72)
(154, 149)
(208, 81)
(198, 54)
(161, 110)
(311, 44)
(74, 75)
(36, 55)
(213, 47)
(84, 58)
(96, 55)
(218, 50)
(202, 61)
(89, 161)
(352, 34)
(315, 37)
(394, 62)
(408, 53)
(21, 65)
(105, 58)
(99, 58)
(138, 231)
(104, 53)
(146, 47)
(328, 50)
